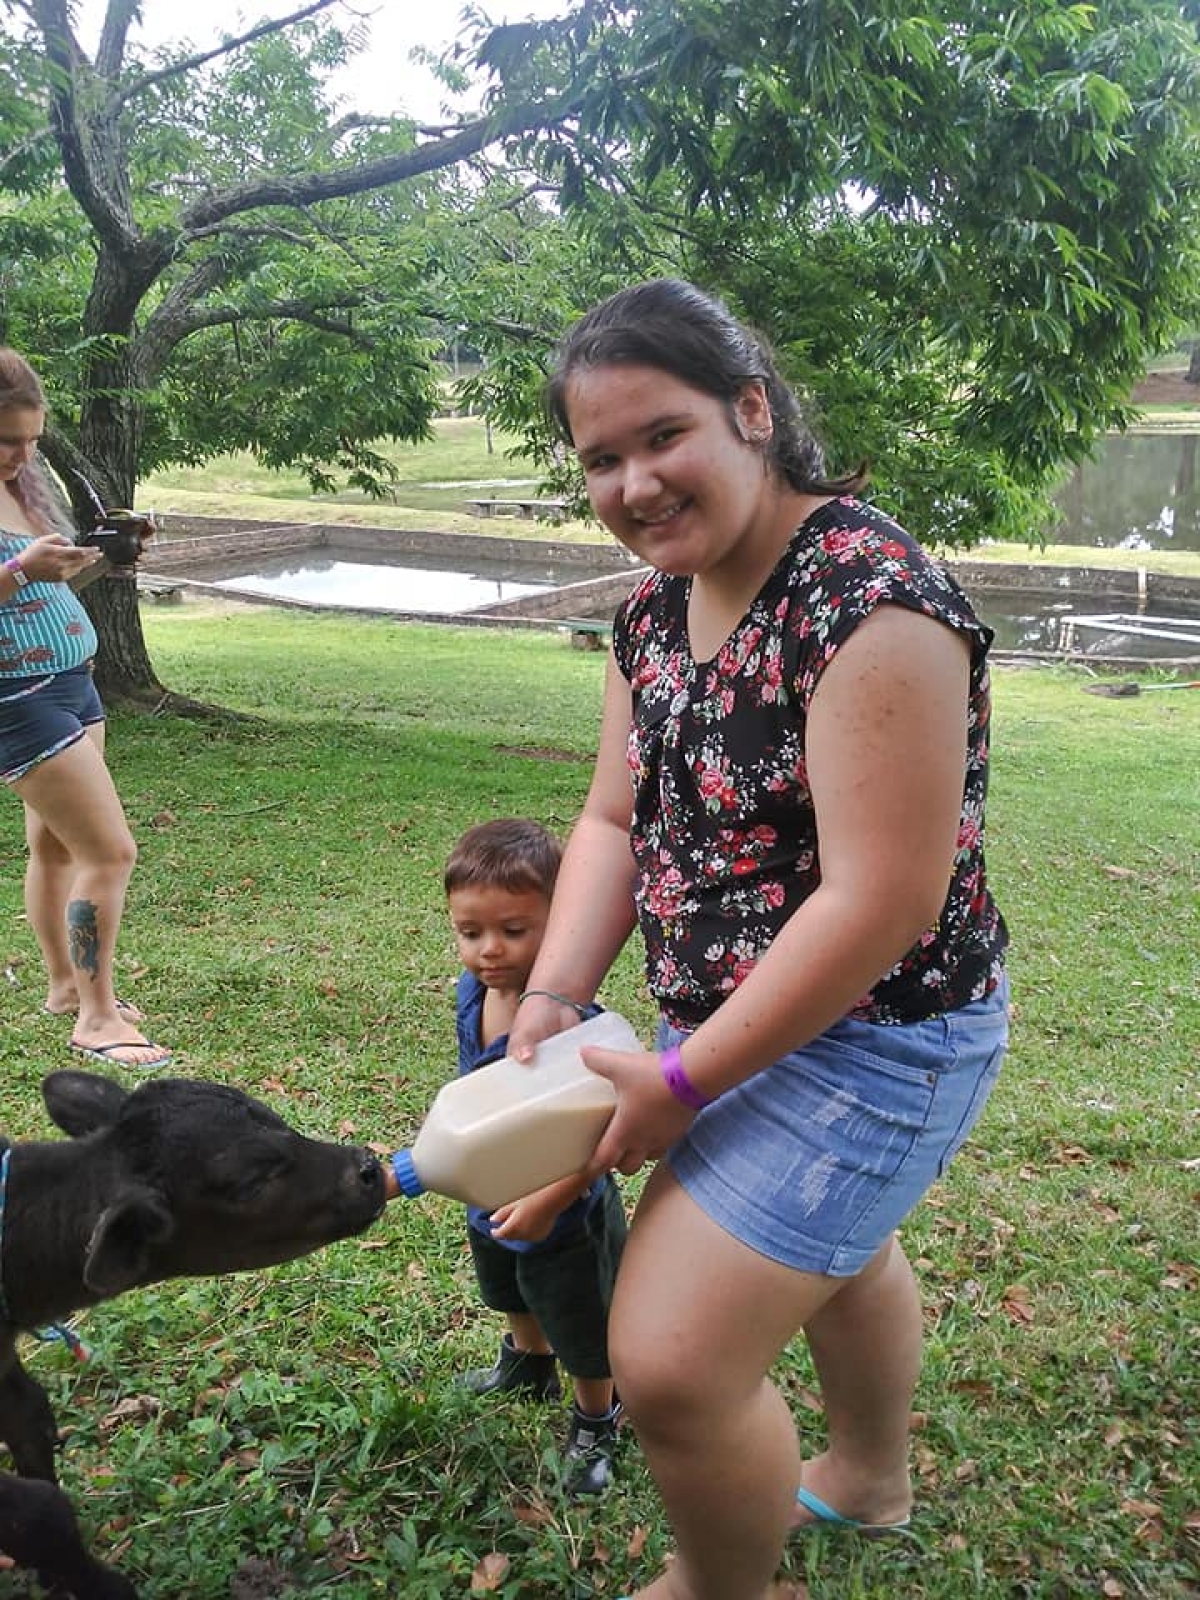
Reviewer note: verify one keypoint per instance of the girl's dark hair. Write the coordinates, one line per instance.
(673, 326)
(511, 853)
(20, 387)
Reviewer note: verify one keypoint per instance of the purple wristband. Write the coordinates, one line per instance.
(677, 1080)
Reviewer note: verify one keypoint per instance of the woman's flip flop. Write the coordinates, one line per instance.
(107, 1054)
(823, 1513)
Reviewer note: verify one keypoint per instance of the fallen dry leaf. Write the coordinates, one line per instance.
(1016, 1302)
(137, 1405)
(533, 1513)
(1141, 1508)
(490, 1573)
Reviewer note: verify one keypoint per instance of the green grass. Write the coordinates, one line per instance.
(286, 933)
(434, 480)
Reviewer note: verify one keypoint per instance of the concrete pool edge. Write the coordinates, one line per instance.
(174, 561)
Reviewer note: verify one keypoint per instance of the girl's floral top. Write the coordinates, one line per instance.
(724, 831)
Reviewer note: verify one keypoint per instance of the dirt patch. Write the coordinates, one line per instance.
(540, 752)
(1167, 389)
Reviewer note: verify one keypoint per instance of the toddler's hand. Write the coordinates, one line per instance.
(529, 1220)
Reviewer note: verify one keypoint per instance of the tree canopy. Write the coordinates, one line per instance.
(963, 224)
(200, 252)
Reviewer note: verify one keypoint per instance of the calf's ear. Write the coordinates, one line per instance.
(81, 1102)
(119, 1251)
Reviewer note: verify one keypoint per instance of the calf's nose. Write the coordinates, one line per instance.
(370, 1173)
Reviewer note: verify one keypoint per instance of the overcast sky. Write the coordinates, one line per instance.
(381, 78)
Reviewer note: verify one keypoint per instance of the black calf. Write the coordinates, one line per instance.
(179, 1178)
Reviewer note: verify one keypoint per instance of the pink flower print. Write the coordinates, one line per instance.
(893, 548)
(968, 835)
(646, 674)
(744, 865)
(840, 540)
(38, 655)
(743, 969)
(715, 785)
(73, 629)
(666, 896)
(773, 894)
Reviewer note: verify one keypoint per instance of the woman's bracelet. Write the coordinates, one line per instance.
(16, 571)
(676, 1079)
(549, 994)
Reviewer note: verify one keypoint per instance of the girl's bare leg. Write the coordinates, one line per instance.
(697, 1322)
(82, 855)
(866, 1345)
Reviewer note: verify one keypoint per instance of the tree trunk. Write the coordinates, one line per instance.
(123, 670)
(1193, 371)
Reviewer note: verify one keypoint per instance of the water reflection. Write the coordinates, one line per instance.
(362, 585)
(1021, 620)
(1140, 493)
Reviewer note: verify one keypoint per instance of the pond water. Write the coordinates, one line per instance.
(426, 584)
(322, 580)
(1140, 493)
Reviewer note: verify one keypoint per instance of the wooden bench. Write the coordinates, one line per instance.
(158, 589)
(517, 508)
(587, 633)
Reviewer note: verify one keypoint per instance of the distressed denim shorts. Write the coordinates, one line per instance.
(41, 716)
(817, 1160)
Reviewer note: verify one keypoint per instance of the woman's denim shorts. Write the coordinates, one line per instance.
(41, 716)
(817, 1160)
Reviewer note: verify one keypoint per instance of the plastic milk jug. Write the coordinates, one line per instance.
(512, 1127)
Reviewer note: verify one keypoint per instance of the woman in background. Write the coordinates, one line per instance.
(81, 852)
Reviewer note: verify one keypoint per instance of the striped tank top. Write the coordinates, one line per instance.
(43, 627)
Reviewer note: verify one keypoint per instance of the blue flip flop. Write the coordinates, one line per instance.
(825, 1513)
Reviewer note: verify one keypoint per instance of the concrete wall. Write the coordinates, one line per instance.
(196, 542)
(201, 549)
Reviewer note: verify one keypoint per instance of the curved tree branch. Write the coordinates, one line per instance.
(111, 50)
(307, 188)
(113, 227)
(176, 68)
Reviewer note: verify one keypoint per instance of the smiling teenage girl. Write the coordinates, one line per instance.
(81, 852)
(788, 799)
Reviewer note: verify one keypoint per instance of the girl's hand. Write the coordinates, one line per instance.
(538, 1018)
(648, 1119)
(54, 559)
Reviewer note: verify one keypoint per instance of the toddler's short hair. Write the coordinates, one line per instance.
(511, 853)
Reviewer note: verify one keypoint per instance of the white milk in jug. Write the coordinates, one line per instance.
(509, 1128)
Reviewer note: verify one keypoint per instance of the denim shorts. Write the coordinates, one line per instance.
(817, 1160)
(41, 716)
